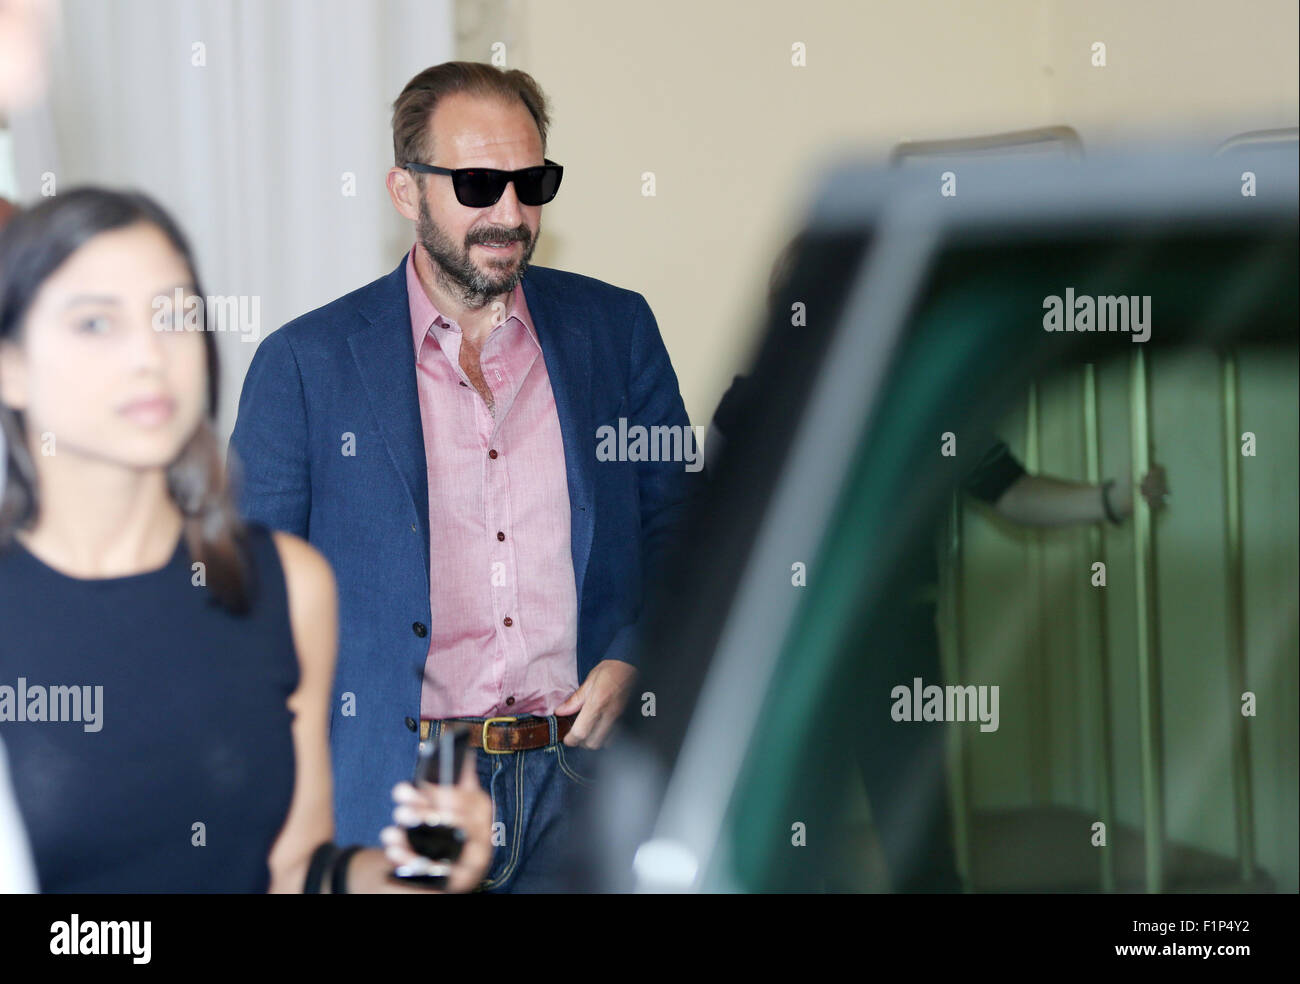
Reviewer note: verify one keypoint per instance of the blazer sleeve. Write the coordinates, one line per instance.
(666, 488)
(268, 456)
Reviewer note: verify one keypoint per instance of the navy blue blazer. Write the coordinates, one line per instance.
(346, 371)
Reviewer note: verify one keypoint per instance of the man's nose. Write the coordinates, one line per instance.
(507, 210)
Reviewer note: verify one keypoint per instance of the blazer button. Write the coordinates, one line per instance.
(419, 629)
(410, 724)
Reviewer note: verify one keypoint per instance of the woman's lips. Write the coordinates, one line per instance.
(150, 412)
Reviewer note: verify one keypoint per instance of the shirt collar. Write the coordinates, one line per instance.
(426, 319)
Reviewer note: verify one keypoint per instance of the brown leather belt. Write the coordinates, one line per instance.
(503, 735)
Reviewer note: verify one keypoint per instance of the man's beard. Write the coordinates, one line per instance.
(456, 270)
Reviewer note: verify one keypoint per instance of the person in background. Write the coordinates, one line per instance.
(23, 27)
(6, 213)
(17, 870)
(164, 667)
(903, 768)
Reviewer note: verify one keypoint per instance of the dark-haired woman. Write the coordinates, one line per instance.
(165, 670)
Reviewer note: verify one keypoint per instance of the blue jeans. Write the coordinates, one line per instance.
(535, 799)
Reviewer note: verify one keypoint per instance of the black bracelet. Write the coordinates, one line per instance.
(1105, 502)
(321, 859)
(339, 870)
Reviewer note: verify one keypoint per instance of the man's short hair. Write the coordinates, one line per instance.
(413, 109)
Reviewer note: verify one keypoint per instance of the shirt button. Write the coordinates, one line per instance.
(410, 724)
(508, 621)
(419, 629)
(510, 702)
(414, 528)
(492, 453)
(500, 535)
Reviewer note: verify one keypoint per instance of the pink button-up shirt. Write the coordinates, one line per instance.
(503, 634)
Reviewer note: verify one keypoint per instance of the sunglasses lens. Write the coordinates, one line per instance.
(479, 189)
(538, 185)
(482, 188)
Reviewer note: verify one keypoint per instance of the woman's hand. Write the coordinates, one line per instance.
(464, 805)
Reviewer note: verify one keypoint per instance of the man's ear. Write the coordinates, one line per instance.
(13, 377)
(404, 191)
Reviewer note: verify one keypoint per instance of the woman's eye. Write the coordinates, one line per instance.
(93, 326)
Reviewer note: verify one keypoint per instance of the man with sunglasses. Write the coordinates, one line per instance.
(434, 434)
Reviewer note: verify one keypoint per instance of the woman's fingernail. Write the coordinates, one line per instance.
(406, 816)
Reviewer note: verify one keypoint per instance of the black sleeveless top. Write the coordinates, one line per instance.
(177, 775)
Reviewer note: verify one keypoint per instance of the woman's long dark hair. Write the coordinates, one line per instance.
(35, 243)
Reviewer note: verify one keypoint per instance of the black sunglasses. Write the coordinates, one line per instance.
(479, 187)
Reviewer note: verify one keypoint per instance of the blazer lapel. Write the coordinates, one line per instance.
(385, 357)
(567, 353)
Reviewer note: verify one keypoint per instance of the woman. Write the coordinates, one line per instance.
(168, 669)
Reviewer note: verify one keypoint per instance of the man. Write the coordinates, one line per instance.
(434, 434)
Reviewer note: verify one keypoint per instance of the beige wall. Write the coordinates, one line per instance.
(1202, 69)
